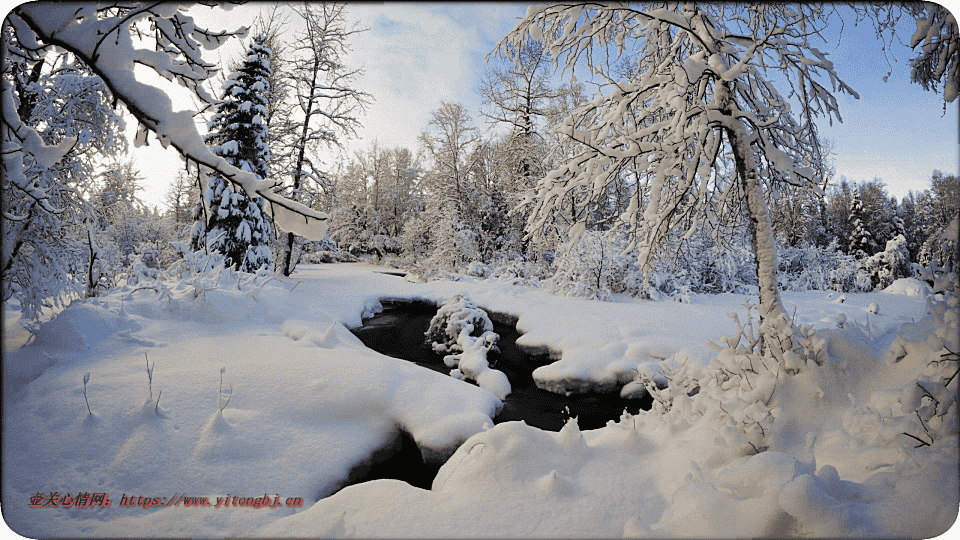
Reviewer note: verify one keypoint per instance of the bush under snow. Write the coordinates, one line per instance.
(460, 325)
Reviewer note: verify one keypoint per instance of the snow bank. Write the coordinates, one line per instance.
(309, 402)
(839, 464)
(860, 446)
(909, 287)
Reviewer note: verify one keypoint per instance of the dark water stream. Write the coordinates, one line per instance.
(399, 332)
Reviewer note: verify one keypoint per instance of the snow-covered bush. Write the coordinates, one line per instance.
(200, 271)
(592, 267)
(439, 247)
(356, 229)
(943, 246)
(454, 243)
(323, 251)
(453, 317)
(415, 238)
(887, 266)
(812, 267)
(514, 269)
(463, 329)
(478, 269)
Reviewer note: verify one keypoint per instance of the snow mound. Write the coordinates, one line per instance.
(909, 287)
(80, 326)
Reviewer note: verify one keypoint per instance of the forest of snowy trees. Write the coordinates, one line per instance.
(594, 226)
(540, 199)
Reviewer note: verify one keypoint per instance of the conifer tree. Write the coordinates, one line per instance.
(230, 221)
(860, 240)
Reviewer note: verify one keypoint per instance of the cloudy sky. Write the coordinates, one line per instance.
(416, 55)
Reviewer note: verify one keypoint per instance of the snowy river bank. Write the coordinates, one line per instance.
(310, 405)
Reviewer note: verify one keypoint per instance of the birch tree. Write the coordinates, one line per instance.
(703, 86)
(323, 87)
(936, 40)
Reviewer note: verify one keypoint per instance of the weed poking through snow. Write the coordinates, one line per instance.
(149, 374)
(220, 401)
(86, 378)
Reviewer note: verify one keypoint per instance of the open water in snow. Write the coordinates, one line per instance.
(399, 332)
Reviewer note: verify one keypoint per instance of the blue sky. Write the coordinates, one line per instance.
(416, 55)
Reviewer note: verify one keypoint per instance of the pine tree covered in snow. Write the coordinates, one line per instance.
(234, 223)
(861, 243)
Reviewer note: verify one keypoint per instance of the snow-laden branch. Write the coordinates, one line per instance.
(105, 44)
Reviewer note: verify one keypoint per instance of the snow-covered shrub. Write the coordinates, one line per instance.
(518, 271)
(930, 402)
(738, 389)
(812, 267)
(478, 269)
(324, 251)
(592, 267)
(943, 246)
(887, 266)
(415, 238)
(712, 268)
(441, 249)
(463, 329)
(453, 317)
(454, 243)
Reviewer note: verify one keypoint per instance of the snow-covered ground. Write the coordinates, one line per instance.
(307, 402)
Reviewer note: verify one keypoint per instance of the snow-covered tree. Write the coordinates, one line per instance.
(451, 144)
(232, 222)
(182, 199)
(57, 124)
(861, 242)
(109, 39)
(520, 96)
(117, 208)
(706, 82)
(327, 102)
(591, 268)
(889, 265)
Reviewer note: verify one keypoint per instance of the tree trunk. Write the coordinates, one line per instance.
(759, 224)
(758, 215)
(288, 255)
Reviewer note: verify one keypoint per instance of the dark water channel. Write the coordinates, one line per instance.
(399, 332)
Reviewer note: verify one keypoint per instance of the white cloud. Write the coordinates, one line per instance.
(414, 57)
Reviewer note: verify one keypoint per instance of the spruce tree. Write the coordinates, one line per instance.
(229, 221)
(860, 240)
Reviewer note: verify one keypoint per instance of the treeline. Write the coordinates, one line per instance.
(522, 202)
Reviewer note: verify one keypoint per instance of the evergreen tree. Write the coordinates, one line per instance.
(860, 240)
(236, 224)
